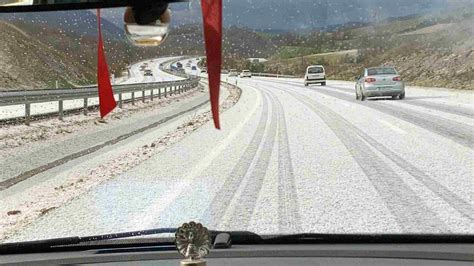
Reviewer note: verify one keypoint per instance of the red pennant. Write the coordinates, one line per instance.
(106, 95)
(212, 20)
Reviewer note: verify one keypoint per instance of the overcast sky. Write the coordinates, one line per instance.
(302, 14)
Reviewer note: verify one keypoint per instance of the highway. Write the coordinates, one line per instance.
(137, 77)
(294, 159)
(17, 111)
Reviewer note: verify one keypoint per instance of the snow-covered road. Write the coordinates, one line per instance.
(136, 76)
(297, 159)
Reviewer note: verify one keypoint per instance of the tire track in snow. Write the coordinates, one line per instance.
(462, 206)
(221, 201)
(459, 204)
(406, 207)
(457, 110)
(433, 106)
(457, 132)
(245, 206)
(401, 200)
(288, 207)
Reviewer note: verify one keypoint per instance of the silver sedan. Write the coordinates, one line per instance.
(379, 81)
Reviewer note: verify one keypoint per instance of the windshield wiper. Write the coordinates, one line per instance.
(249, 238)
(366, 239)
(135, 239)
(74, 242)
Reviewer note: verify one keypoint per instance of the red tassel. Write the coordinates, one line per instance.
(106, 95)
(212, 20)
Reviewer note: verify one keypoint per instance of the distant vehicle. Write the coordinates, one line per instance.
(233, 73)
(246, 74)
(148, 73)
(315, 74)
(188, 64)
(179, 65)
(379, 81)
(193, 68)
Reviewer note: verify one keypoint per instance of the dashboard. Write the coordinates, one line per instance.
(302, 254)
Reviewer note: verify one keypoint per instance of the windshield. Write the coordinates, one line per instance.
(315, 70)
(295, 154)
(381, 71)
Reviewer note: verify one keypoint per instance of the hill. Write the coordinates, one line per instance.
(304, 15)
(430, 50)
(26, 63)
(42, 48)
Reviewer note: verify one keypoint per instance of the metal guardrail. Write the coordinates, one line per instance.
(165, 88)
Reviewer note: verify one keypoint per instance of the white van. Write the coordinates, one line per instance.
(315, 74)
(246, 74)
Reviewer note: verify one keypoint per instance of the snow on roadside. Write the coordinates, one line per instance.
(17, 135)
(17, 214)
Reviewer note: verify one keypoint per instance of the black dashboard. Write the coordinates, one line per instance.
(300, 254)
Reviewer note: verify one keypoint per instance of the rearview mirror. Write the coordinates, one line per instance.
(151, 29)
(8, 6)
(146, 21)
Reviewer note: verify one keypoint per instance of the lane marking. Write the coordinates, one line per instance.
(392, 126)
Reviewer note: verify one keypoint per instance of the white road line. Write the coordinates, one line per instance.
(174, 192)
(393, 127)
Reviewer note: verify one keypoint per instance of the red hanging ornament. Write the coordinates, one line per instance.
(212, 21)
(106, 95)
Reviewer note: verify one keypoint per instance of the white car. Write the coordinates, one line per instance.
(233, 73)
(246, 74)
(315, 74)
(380, 81)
